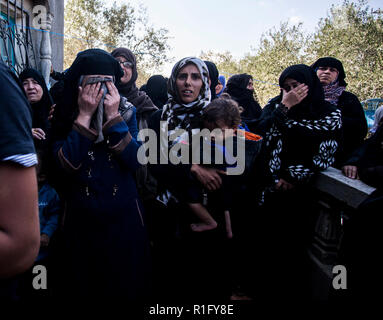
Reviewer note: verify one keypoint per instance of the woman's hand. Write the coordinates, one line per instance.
(350, 172)
(294, 96)
(38, 133)
(209, 177)
(51, 112)
(283, 185)
(111, 101)
(88, 100)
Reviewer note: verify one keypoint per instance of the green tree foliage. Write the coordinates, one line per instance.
(278, 49)
(81, 27)
(92, 23)
(352, 33)
(225, 62)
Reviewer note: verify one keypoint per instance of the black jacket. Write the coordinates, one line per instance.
(354, 125)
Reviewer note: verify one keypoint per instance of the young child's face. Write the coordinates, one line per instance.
(220, 131)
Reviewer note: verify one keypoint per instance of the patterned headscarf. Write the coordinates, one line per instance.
(183, 116)
(334, 63)
(333, 91)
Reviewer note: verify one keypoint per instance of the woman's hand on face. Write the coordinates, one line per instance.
(111, 101)
(88, 100)
(350, 172)
(283, 185)
(294, 96)
(209, 177)
(38, 133)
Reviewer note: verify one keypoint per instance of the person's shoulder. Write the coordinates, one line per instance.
(348, 97)
(156, 115)
(155, 119)
(6, 74)
(3, 68)
(329, 108)
(271, 104)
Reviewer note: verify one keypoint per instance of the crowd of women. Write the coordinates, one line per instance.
(189, 231)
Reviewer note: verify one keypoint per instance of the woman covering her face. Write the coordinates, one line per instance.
(354, 125)
(299, 127)
(94, 134)
(300, 131)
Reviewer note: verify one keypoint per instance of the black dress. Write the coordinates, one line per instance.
(354, 126)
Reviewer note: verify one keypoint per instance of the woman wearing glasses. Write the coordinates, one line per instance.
(127, 88)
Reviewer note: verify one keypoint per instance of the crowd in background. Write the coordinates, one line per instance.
(111, 226)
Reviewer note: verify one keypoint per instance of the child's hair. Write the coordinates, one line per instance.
(224, 109)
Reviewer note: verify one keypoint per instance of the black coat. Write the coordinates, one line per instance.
(354, 125)
(369, 159)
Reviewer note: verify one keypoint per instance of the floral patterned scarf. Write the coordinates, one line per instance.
(333, 91)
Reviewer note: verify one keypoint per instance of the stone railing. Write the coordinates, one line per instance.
(337, 198)
(351, 192)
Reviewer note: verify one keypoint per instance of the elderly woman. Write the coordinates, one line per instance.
(189, 94)
(40, 100)
(241, 88)
(332, 78)
(94, 135)
(300, 131)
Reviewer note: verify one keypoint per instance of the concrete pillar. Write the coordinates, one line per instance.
(46, 49)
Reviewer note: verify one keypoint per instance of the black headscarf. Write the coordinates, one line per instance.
(157, 90)
(236, 87)
(41, 108)
(333, 63)
(88, 62)
(213, 76)
(311, 106)
(129, 90)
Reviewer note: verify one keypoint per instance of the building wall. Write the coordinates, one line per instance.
(56, 7)
(48, 44)
(57, 36)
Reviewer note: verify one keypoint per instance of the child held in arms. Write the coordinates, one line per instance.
(222, 118)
